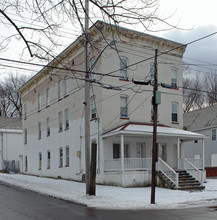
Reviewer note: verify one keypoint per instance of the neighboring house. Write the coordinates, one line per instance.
(203, 121)
(11, 143)
(121, 121)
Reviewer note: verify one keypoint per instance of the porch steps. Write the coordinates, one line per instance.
(186, 181)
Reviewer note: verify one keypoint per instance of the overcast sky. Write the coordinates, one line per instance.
(199, 18)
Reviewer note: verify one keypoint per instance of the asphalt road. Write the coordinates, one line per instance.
(20, 204)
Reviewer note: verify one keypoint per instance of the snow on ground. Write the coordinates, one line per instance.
(112, 197)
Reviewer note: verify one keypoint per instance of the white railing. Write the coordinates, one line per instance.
(196, 162)
(129, 164)
(168, 172)
(184, 164)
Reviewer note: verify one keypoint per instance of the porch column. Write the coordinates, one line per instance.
(122, 152)
(203, 155)
(178, 153)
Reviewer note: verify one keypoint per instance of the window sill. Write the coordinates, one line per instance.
(122, 79)
(60, 166)
(93, 119)
(48, 106)
(66, 165)
(39, 138)
(66, 95)
(66, 129)
(48, 168)
(175, 123)
(39, 110)
(48, 135)
(125, 118)
(39, 169)
(60, 131)
(59, 99)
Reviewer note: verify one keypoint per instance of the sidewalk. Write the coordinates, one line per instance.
(111, 197)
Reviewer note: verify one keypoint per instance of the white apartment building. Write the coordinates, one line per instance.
(121, 120)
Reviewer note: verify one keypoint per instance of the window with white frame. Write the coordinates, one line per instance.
(39, 102)
(93, 107)
(47, 97)
(60, 121)
(67, 118)
(60, 89)
(174, 112)
(174, 77)
(123, 106)
(25, 136)
(25, 111)
(67, 155)
(39, 130)
(40, 161)
(117, 150)
(66, 85)
(92, 69)
(61, 157)
(123, 68)
(48, 160)
(48, 126)
(214, 134)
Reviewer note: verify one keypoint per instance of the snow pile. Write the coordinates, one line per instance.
(115, 197)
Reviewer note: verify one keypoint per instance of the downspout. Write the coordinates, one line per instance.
(98, 147)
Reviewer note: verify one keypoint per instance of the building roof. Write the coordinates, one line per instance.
(201, 118)
(7, 123)
(147, 130)
(174, 48)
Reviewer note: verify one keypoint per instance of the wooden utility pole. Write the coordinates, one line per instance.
(93, 169)
(87, 98)
(154, 144)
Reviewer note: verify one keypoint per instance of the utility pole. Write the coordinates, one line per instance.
(87, 99)
(154, 144)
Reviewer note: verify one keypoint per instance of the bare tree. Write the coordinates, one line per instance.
(211, 87)
(193, 93)
(10, 101)
(39, 24)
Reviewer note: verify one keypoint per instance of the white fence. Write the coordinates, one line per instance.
(129, 164)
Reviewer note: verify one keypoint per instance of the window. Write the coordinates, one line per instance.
(67, 118)
(123, 107)
(39, 102)
(40, 161)
(66, 85)
(48, 160)
(92, 69)
(25, 136)
(67, 155)
(117, 151)
(93, 107)
(61, 157)
(60, 89)
(152, 72)
(213, 134)
(174, 112)
(60, 121)
(26, 163)
(25, 111)
(47, 97)
(39, 130)
(48, 126)
(123, 67)
(174, 77)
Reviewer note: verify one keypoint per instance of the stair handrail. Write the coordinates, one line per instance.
(198, 177)
(176, 179)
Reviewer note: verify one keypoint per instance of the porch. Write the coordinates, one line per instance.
(128, 150)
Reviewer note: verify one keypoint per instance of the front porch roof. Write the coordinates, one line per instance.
(147, 130)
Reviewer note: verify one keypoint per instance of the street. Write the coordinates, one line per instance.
(20, 204)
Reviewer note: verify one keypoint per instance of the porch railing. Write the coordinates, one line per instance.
(129, 164)
(168, 172)
(196, 162)
(184, 164)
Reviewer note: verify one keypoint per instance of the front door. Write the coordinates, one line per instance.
(140, 150)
